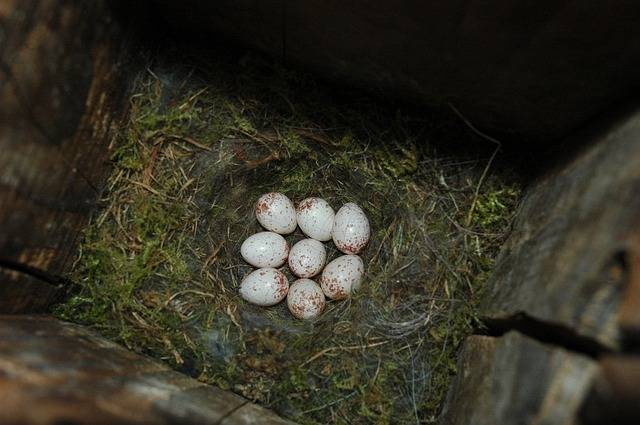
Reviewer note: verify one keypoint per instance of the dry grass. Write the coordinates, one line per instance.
(160, 265)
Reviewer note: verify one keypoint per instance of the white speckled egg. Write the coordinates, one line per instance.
(315, 218)
(305, 299)
(350, 229)
(264, 287)
(342, 276)
(307, 258)
(275, 212)
(265, 249)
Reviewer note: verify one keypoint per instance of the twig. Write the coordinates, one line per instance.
(191, 99)
(256, 163)
(354, 347)
(324, 406)
(384, 239)
(403, 267)
(188, 291)
(189, 140)
(148, 171)
(313, 136)
(486, 169)
(211, 258)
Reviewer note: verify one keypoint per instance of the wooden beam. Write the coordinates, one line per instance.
(513, 380)
(562, 302)
(56, 372)
(615, 395)
(62, 95)
(567, 262)
(526, 71)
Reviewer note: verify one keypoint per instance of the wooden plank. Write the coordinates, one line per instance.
(55, 372)
(569, 274)
(615, 395)
(567, 262)
(250, 414)
(524, 71)
(62, 93)
(629, 317)
(516, 380)
(21, 293)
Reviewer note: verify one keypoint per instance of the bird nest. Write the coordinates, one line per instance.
(160, 265)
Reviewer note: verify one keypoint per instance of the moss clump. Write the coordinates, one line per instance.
(160, 262)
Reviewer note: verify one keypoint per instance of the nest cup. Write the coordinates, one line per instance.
(160, 263)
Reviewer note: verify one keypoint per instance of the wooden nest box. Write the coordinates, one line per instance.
(556, 81)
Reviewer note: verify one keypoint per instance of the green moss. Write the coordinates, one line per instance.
(493, 208)
(160, 267)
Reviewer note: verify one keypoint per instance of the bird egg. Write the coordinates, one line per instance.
(265, 249)
(350, 229)
(342, 277)
(276, 213)
(315, 218)
(264, 287)
(305, 299)
(307, 258)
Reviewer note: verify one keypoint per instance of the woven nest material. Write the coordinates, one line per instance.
(160, 264)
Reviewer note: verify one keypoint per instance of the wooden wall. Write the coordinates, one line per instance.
(563, 304)
(562, 307)
(58, 373)
(62, 94)
(526, 71)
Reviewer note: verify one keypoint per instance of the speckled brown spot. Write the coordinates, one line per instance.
(283, 286)
(307, 204)
(297, 310)
(262, 207)
(352, 248)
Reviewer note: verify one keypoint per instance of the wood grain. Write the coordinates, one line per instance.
(614, 397)
(568, 275)
(514, 380)
(567, 261)
(62, 94)
(53, 372)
